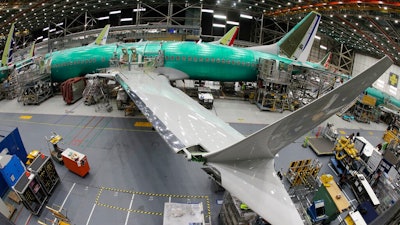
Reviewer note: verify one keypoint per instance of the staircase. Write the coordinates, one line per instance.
(347, 107)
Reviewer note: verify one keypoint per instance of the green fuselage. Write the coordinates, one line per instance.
(199, 61)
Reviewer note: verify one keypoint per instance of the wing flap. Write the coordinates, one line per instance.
(179, 119)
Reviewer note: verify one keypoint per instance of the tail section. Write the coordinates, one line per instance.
(246, 169)
(102, 38)
(297, 43)
(7, 53)
(229, 38)
(32, 51)
(326, 60)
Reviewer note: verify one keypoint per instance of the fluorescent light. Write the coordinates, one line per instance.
(115, 12)
(246, 16)
(218, 25)
(45, 39)
(39, 38)
(220, 16)
(52, 30)
(323, 47)
(232, 23)
(126, 19)
(207, 10)
(317, 37)
(46, 28)
(60, 24)
(139, 10)
(103, 18)
(59, 32)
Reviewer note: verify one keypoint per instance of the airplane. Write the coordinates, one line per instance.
(7, 54)
(244, 166)
(79, 61)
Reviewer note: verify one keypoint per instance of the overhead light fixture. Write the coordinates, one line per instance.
(103, 18)
(323, 47)
(39, 38)
(139, 10)
(218, 25)
(60, 24)
(317, 37)
(220, 16)
(46, 28)
(246, 16)
(52, 30)
(207, 10)
(115, 12)
(232, 23)
(126, 19)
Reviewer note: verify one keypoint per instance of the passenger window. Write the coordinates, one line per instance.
(190, 58)
(172, 57)
(207, 60)
(212, 60)
(178, 58)
(223, 61)
(201, 59)
(228, 62)
(183, 58)
(218, 60)
(194, 59)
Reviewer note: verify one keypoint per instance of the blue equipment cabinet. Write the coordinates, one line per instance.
(11, 142)
(11, 168)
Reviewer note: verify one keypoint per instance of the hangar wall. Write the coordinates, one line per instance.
(362, 61)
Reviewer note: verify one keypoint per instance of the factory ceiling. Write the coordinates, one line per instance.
(368, 26)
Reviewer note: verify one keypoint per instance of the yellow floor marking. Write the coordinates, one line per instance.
(342, 132)
(102, 189)
(25, 117)
(143, 124)
(371, 133)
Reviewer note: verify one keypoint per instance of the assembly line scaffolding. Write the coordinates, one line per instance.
(283, 86)
(33, 82)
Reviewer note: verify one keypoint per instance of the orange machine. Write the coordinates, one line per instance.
(75, 162)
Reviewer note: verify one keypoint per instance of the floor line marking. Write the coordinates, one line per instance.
(130, 207)
(28, 220)
(91, 213)
(66, 197)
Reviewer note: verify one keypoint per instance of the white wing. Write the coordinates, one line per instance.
(180, 120)
(244, 166)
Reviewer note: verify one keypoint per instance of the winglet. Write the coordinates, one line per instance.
(297, 43)
(229, 38)
(7, 53)
(102, 38)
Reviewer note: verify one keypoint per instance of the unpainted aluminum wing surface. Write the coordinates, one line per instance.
(179, 119)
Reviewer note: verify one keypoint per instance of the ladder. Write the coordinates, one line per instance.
(346, 107)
